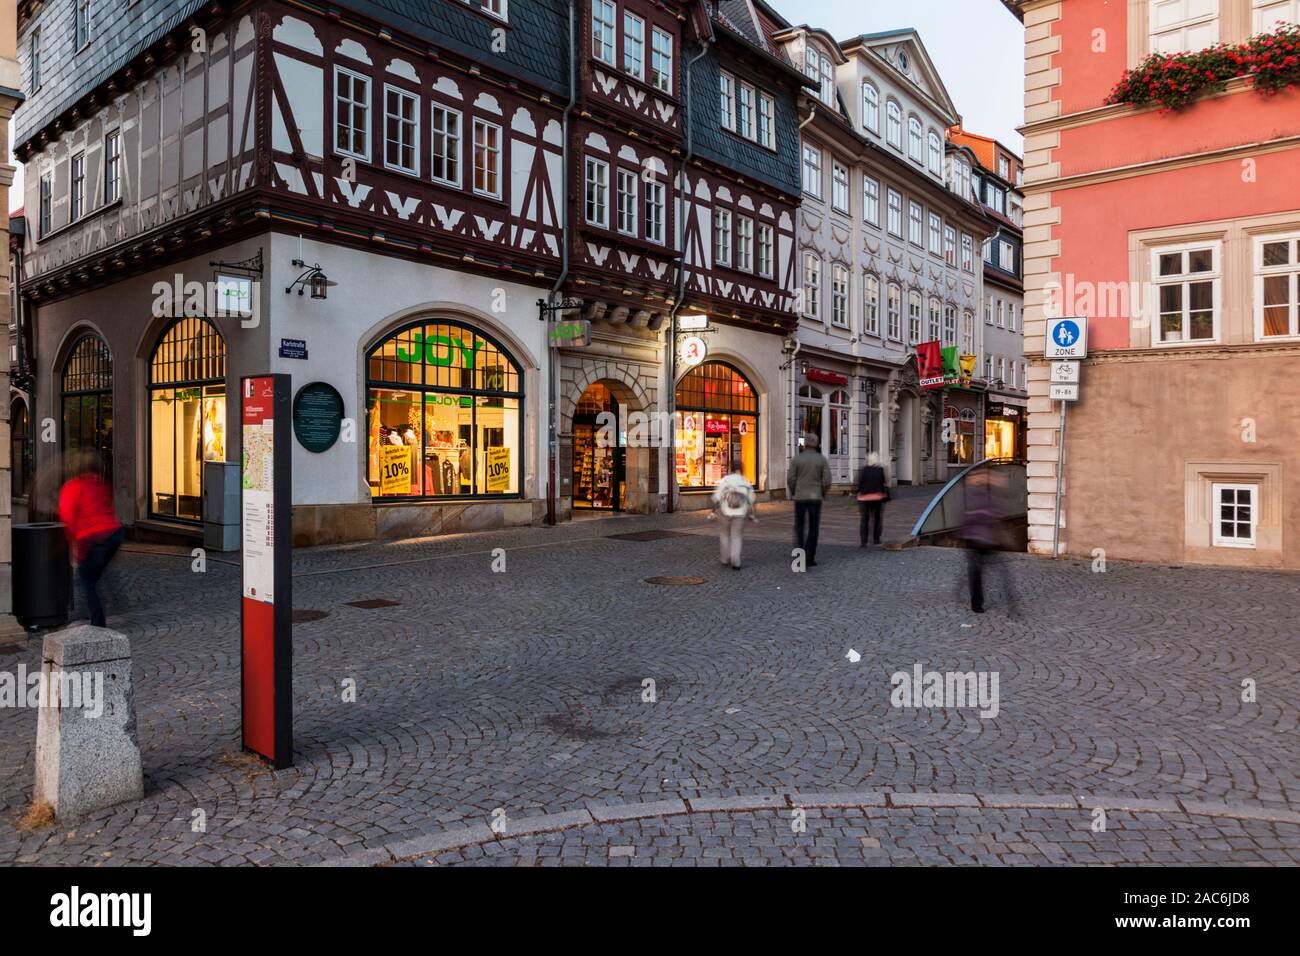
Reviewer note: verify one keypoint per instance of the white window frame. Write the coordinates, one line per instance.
(1158, 282)
(839, 186)
(595, 191)
(1291, 270)
(967, 331)
(895, 213)
(77, 186)
(936, 235)
(80, 25)
(894, 125)
(870, 108)
(766, 247)
(894, 311)
(1266, 13)
(871, 304)
(934, 326)
(403, 96)
(632, 41)
(744, 243)
(628, 199)
(604, 32)
(871, 201)
(722, 237)
(915, 140)
(1179, 28)
(656, 211)
(812, 171)
(498, 152)
(34, 58)
(766, 131)
(967, 253)
(661, 60)
(352, 104)
(495, 8)
(839, 296)
(949, 324)
(935, 146)
(914, 316)
(915, 224)
(812, 281)
(45, 201)
(950, 246)
(1216, 514)
(727, 99)
(452, 157)
(746, 111)
(112, 166)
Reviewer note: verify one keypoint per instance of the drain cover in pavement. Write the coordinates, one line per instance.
(647, 535)
(304, 616)
(675, 581)
(371, 603)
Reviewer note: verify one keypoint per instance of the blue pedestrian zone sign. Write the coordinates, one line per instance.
(1067, 338)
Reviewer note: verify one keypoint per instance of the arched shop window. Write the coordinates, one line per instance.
(87, 393)
(717, 421)
(187, 416)
(445, 414)
(20, 455)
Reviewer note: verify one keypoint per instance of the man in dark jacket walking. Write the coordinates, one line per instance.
(808, 481)
(873, 492)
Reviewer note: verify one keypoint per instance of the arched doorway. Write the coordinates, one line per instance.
(445, 417)
(717, 423)
(86, 391)
(187, 416)
(599, 451)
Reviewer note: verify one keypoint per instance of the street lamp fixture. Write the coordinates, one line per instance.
(313, 278)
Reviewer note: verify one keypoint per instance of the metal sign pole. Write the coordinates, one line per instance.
(1060, 479)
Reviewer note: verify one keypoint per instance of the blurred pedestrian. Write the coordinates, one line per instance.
(733, 505)
(808, 482)
(94, 533)
(988, 506)
(873, 492)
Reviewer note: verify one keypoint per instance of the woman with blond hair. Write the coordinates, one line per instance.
(873, 492)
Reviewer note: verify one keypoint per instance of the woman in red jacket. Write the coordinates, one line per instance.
(94, 533)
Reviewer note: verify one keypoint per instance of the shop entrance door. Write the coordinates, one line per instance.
(599, 452)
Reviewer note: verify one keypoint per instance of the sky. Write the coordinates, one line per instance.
(977, 46)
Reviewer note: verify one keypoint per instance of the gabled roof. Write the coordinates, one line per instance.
(937, 94)
(985, 148)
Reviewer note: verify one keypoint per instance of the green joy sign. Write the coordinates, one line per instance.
(426, 349)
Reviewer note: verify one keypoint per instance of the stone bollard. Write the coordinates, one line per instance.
(87, 757)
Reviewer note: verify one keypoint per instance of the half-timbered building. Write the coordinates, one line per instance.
(194, 169)
(431, 174)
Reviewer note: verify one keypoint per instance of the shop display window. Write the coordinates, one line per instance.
(717, 422)
(87, 394)
(450, 398)
(187, 416)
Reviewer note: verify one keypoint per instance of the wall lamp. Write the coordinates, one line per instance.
(312, 278)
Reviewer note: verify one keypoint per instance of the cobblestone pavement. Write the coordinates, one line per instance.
(877, 836)
(523, 691)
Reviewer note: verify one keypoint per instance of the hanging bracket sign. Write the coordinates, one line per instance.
(266, 641)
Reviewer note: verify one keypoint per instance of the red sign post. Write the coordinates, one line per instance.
(267, 546)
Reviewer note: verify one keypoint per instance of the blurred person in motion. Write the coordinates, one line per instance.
(94, 533)
(733, 505)
(873, 492)
(808, 482)
(988, 506)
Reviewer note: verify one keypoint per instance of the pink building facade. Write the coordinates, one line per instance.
(1177, 233)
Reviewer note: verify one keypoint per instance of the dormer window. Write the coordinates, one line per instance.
(818, 67)
(870, 108)
(894, 125)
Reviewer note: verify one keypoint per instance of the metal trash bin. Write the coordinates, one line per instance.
(42, 576)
